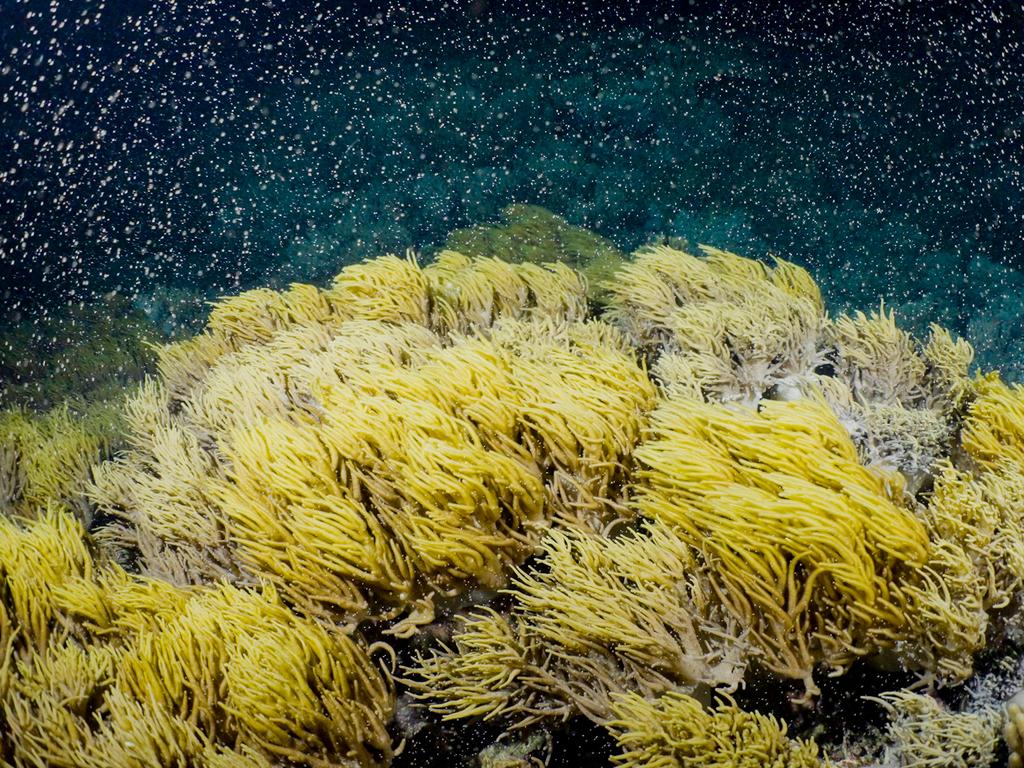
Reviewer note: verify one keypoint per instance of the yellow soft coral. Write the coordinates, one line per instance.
(891, 437)
(744, 330)
(102, 668)
(640, 600)
(470, 294)
(47, 459)
(884, 365)
(160, 493)
(949, 362)
(244, 668)
(597, 618)
(993, 432)
(35, 560)
(675, 730)
(363, 453)
(878, 359)
(389, 289)
(494, 670)
(984, 514)
(975, 520)
(294, 520)
(804, 543)
(411, 432)
(926, 734)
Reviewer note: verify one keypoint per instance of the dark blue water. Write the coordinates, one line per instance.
(170, 152)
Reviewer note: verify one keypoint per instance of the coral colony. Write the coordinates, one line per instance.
(622, 491)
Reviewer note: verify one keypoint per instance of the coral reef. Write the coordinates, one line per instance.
(925, 733)
(849, 515)
(369, 446)
(549, 515)
(1013, 731)
(724, 326)
(595, 618)
(678, 730)
(48, 458)
(805, 546)
(102, 668)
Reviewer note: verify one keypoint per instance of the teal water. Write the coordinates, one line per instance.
(171, 154)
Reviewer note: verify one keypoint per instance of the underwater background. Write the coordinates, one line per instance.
(157, 155)
(505, 383)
